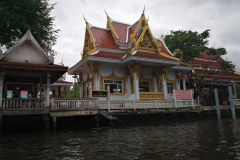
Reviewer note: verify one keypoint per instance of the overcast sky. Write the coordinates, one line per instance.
(221, 16)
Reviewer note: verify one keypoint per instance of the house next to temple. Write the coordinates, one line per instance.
(27, 66)
(128, 59)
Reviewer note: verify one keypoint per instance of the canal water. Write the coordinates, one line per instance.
(206, 139)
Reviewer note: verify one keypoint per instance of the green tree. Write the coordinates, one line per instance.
(188, 45)
(70, 92)
(17, 16)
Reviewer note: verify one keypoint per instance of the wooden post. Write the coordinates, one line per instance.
(52, 102)
(217, 103)
(231, 102)
(0, 122)
(174, 97)
(90, 91)
(134, 105)
(1, 89)
(54, 122)
(108, 94)
(109, 105)
(192, 97)
(48, 89)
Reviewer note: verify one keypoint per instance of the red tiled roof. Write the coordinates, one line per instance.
(208, 57)
(110, 55)
(59, 81)
(121, 30)
(151, 55)
(131, 30)
(200, 63)
(104, 38)
(220, 74)
(163, 48)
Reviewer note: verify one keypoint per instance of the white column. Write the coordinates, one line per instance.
(128, 85)
(96, 82)
(184, 84)
(164, 87)
(1, 89)
(81, 90)
(155, 84)
(177, 84)
(136, 86)
(48, 89)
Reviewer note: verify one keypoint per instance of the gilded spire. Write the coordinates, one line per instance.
(193, 71)
(227, 59)
(106, 13)
(143, 9)
(147, 18)
(84, 18)
(214, 44)
(162, 34)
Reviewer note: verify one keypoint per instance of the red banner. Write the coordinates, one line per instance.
(183, 94)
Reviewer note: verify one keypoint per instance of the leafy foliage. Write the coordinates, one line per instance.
(188, 45)
(70, 93)
(17, 16)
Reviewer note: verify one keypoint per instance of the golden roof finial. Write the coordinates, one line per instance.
(214, 44)
(226, 59)
(84, 18)
(162, 34)
(144, 9)
(193, 71)
(106, 13)
(147, 18)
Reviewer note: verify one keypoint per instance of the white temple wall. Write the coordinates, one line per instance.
(106, 69)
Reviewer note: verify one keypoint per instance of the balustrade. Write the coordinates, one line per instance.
(73, 103)
(23, 103)
(151, 95)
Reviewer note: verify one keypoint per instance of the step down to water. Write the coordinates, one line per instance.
(106, 115)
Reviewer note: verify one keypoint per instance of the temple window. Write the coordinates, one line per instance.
(207, 81)
(224, 82)
(170, 88)
(115, 86)
(144, 86)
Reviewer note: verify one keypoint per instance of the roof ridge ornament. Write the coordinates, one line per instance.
(143, 9)
(85, 19)
(106, 13)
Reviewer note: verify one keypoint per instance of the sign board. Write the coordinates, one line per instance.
(100, 94)
(183, 94)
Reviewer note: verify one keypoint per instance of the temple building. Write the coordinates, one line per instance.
(27, 67)
(128, 59)
(224, 79)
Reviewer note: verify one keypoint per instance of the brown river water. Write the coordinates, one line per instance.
(207, 139)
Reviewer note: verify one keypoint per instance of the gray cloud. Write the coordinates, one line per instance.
(221, 16)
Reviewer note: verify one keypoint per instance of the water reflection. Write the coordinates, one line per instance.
(192, 140)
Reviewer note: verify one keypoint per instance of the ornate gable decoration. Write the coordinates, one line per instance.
(90, 44)
(109, 25)
(143, 39)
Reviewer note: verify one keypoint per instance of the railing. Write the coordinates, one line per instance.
(236, 101)
(73, 103)
(151, 95)
(141, 104)
(23, 103)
